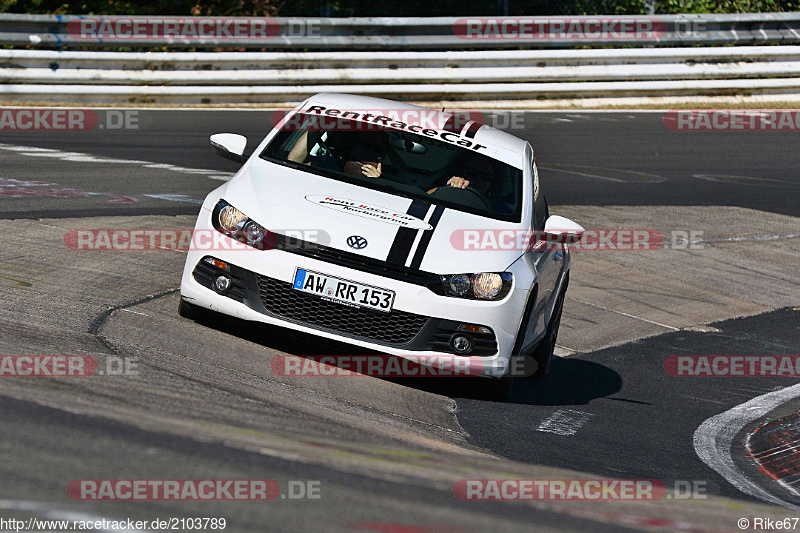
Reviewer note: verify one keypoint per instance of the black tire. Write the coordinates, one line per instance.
(543, 354)
(190, 311)
(497, 390)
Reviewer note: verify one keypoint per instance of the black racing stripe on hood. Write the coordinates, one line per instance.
(426, 238)
(404, 240)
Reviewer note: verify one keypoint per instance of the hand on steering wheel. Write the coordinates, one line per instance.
(458, 182)
(371, 171)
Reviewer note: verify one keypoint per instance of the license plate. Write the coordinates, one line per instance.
(343, 291)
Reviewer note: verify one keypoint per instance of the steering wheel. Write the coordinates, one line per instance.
(316, 138)
(482, 197)
(324, 145)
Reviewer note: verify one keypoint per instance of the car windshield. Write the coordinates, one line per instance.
(402, 162)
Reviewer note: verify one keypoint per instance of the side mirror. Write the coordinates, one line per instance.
(230, 146)
(563, 230)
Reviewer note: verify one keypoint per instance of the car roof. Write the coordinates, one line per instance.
(483, 133)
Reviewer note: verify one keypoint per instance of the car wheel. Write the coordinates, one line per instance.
(543, 353)
(497, 390)
(190, 311)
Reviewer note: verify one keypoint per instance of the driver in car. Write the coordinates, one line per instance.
(479, 174)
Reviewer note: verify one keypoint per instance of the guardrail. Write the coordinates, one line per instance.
(367, 68)
(467, 75)
(433, 33)
(277, 77)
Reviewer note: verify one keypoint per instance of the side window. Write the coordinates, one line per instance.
(540, 211)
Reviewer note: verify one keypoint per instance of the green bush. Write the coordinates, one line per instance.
(407, 8)
(726, 6)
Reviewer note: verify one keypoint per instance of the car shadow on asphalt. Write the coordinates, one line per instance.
(571, 381)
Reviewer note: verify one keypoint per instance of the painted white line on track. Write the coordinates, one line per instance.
(564, 351)
(175, 198)
(564, 422)
(673, 328)
(745, 180)
(133, 312)
(582, 174)
(79, 157)
(714, 438)
(740, 239)
(26, 148)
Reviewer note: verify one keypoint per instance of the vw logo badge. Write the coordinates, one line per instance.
(356, 241)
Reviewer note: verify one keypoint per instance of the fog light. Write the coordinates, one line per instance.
(461, 343)
(222, 284)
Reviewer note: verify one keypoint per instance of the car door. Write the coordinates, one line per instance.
(548, 257)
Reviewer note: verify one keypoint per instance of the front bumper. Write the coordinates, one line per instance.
(421, 322)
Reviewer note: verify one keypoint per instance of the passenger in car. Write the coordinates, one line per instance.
(367, 154)
(364, 159)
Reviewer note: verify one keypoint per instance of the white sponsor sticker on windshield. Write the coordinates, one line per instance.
(372, 212)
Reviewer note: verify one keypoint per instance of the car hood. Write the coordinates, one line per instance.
(413, 233)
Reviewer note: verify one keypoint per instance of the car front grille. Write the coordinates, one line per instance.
(395, 328)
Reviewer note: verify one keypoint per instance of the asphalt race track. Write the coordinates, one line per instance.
(654, 164)
(204, 403)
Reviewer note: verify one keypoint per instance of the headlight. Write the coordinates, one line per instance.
(228, 220)
(253, 232)
(459, 284)
(231, 219)
(487, 285)
(480, 286)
